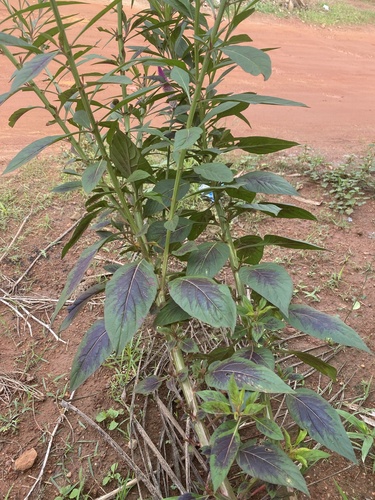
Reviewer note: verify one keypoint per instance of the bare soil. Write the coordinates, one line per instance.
(333, 72)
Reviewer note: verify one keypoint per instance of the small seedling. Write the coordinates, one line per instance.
(109, 417)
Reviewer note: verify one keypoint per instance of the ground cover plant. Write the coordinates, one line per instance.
(333, 13)
(155, 132)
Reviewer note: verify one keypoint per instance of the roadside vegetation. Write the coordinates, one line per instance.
(330, 13)
(189, 307)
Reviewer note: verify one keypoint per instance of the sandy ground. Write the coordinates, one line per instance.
(330, 70)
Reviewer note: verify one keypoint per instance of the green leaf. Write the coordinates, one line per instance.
(250, 249)
(96, 18)
(217, 172)
(171, 313)
(13, 41)
(216, 408)
(92, 175)
(265, 182)
(31, 69)
(281, 211)
(250, 59)
(356, 422)
(124, 153)
(208, 259)
(280, 241)
(269, 463)
(118, 79)
(186, 138)
(82, 119)
(323, 326)
(205, 300)
(322, 422)
(247, 374)
(261, 99)
(94, 349)
(208, 395)
(316, 363)
(20, 112)
(225, 443)
(67, 187)
(165, 188)
(271, 281)
(269, 428)
(81, 227)
(76, 274)
(138, 175)
(182, 78)
(31, 151)
(157, 233)
(171, 225)
(263, 145)
(129, 296)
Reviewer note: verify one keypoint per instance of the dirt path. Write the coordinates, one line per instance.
(330, 70)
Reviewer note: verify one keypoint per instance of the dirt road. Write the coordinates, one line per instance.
(330, 70)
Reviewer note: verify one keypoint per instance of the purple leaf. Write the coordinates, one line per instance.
(76, 274)
(264, 182)
(79, 303)
(247, 375)
(269, 463)
(322, 422)
(148, 385)
(225, 443)
(205, 300)
(92, 352)
(208, 259)
(129, 296)
(258, 355)
(322, 326)
(271, 281)
(31, 151)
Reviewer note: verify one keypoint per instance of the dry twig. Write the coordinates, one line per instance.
(129, 462)
(46, 456)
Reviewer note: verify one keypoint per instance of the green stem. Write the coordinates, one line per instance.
(189, 124)
(200, 429)
(227, 237)
(48, 106)
(121, 60)
(125, 211)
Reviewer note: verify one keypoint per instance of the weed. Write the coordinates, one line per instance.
(339, 12)
(72, 491)
(168, 272)
(341, 492)
(348, 184)
(122, 482)
(110, 418)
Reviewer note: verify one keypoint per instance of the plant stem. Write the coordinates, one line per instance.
(125, 211)
(182, 155)
(199, 427)
(227, 237)
(48, 106)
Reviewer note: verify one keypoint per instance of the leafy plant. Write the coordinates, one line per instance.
(156, 142)
(362, 436)
(110, 417)
(114, 475)
(348, 184)
(72, 491)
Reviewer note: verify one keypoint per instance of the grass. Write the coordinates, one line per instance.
(339, 13)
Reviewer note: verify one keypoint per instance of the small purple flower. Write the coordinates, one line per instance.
(164, 80)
